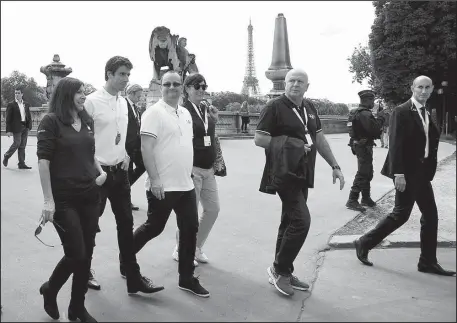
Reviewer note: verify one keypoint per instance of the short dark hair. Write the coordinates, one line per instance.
(62, 100)
(114, 63)
(194, 78)
(19, 88)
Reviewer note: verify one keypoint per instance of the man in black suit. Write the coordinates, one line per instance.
(133, 139)
(411, 162)
(18, 123)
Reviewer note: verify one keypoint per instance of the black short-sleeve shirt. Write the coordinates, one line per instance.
(278, 118)
(71, 155)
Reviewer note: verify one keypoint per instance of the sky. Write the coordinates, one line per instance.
(322, 35)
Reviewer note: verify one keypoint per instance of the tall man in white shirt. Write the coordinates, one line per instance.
(166, 145)
(18, 123)
(109, 111)
(411, 162)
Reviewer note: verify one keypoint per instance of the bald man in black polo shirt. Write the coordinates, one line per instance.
(295, 117)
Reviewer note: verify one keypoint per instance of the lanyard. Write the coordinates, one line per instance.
(205, 122)
(299, 117)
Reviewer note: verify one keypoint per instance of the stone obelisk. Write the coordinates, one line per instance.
(280, 61)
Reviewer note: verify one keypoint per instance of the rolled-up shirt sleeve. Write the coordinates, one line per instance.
(46, 136)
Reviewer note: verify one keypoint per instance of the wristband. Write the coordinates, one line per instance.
(336, 167)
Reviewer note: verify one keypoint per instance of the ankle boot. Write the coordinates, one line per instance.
(50, 301)
(79, 311)
(353, 203)
(366, 200)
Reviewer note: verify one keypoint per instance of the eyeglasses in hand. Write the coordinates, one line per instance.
(40, 228)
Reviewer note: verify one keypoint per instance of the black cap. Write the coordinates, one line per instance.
(365, 94)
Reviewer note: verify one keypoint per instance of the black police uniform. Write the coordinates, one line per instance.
(366, 129)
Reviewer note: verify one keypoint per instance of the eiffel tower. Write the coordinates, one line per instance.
(250, 82)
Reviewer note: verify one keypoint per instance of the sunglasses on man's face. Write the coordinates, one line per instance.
(175, 84)
(40, 228)
(198, 86)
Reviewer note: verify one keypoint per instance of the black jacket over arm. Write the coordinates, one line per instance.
(13, 117)
(407, 144)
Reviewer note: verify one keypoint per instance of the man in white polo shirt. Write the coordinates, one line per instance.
(166, 145)
(109, 112)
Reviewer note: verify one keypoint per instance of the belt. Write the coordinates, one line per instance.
(112, 168)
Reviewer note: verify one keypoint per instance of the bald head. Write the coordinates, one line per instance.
(296, 72)
(422, 78)
(422, 88)
(296, 85)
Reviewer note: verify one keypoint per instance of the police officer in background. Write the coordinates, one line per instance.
(365, 129)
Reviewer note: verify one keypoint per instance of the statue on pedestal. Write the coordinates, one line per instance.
(186, 60)
(54, 72)
(162, 51)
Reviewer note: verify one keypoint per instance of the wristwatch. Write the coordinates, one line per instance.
(336, 167)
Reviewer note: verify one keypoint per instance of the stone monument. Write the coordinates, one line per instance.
(280, 62)
(168, 52)
(54, 72)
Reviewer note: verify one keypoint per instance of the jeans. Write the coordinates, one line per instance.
(185, 206)
(244, 123)
(207, 194)
(78, 217)
(293, 230)
(117, 189)
(19, 144)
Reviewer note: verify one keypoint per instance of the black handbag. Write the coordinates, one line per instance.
(219, 164)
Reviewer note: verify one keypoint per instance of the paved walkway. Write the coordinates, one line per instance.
(240, 248)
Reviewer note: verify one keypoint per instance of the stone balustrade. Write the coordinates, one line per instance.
(229, 124)
(36, 112)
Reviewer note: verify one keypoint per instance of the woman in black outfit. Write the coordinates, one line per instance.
(69, 174)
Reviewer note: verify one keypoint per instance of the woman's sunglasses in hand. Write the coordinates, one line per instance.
(40, 228)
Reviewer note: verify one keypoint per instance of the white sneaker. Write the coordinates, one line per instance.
(200, 256)
(175, 256)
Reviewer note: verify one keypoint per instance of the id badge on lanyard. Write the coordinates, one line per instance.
(308, 138)
(206, 138)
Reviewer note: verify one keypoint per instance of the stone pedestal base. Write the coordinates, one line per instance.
(154, 93)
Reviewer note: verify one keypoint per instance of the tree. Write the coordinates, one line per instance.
(33, 94)
(89, 88)
(222, 99)
(412, 38)
(361, 66)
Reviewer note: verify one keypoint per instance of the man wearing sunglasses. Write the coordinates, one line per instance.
(167, 149)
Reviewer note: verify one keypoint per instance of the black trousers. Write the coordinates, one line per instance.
(418, 191)
(19, 144)
(244, 123)
(117, 189)
(78, 217)
(134, 173)
(185, 206)
(364, 174)
(293, 230)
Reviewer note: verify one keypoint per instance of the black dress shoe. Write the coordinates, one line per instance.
(362, 253)
(5, 161)
(434, 269)
(135, 208)
(355, 205)
(367, 201)
(24, 166)
(139, 283)
(79, 312)
(92, 282)
(50, 301)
